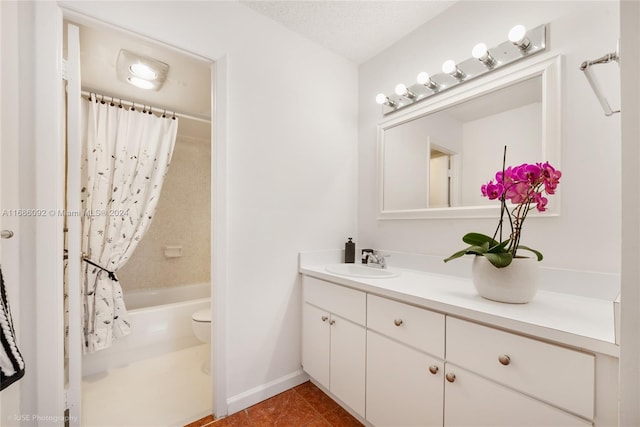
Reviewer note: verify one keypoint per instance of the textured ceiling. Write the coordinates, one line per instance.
(357, 30)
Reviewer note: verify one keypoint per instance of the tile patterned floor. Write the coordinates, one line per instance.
(303, 406)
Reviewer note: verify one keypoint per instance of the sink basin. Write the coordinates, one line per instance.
(357, 270)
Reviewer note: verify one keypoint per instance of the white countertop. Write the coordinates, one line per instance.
(578, 321)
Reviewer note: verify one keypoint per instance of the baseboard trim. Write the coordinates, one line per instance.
(264, 391)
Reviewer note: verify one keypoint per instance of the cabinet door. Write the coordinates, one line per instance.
(315, 343)
(401, 389)
(473, 400)
(348, 346)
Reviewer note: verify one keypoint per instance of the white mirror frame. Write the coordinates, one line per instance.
(548, 66)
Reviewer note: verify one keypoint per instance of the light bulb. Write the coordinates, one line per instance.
(449, 67)
(423, 78)
(401, 89)
(480, 51)
(381, 98)
(516, 34)
(143, 71)
(452, 69)
(141, 83)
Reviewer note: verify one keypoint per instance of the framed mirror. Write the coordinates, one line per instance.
(433, 159)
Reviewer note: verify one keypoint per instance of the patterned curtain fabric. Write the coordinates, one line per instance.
(11, 362)
(127, 157)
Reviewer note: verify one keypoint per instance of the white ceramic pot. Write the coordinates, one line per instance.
(516, 283)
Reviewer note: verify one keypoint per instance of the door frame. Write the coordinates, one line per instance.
(50, 193)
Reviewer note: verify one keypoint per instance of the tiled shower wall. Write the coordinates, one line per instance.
(183, 219)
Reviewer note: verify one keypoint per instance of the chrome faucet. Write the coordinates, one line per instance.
(376, 260)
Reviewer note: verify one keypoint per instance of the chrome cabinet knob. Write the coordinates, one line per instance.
(6, 234)
(504, 359)
(332, 322)
(324, 318)
(398, 322)
(451, 377)
(433, 369)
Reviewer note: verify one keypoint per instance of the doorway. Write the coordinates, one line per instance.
(173, 259)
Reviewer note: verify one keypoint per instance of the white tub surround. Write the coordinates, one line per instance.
(553, 360)
(154, 331)
(151, 297)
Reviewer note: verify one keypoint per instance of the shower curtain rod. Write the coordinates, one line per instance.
(87, 93)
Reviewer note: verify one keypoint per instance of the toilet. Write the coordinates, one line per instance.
(201, 325)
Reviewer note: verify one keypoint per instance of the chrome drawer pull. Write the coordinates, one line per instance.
(451, 377)
(504, 359)
(433, 369)
(397, 322)
(324, 318)
(7, 234)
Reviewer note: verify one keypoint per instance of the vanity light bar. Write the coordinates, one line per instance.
(522, 43)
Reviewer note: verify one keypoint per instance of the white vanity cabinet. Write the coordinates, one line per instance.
(405, 368)
(334, 340)
(398, 362)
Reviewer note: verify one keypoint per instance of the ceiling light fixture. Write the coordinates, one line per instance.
(141, 83)
(141, 71)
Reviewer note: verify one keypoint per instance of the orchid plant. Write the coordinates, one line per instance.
(524, 186)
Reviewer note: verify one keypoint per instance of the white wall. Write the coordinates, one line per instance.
(590, 185)
(483, 143)
(291, 148)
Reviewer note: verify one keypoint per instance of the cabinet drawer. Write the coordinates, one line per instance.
(554, 374)
(471, 400)
(340, 300)
(417, 327)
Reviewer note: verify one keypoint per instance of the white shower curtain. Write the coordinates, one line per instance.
(127, 157)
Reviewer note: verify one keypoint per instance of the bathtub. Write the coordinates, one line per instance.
(160, 323)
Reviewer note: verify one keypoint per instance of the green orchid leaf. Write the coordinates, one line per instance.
(456, 255)
(499, 248)
(478, 250)
(526, 248)
(478, 239)
(499, 260)
(471, 250)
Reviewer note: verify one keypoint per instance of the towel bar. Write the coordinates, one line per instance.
(585, 67)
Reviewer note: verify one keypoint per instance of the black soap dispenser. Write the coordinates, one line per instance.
(350, 251)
